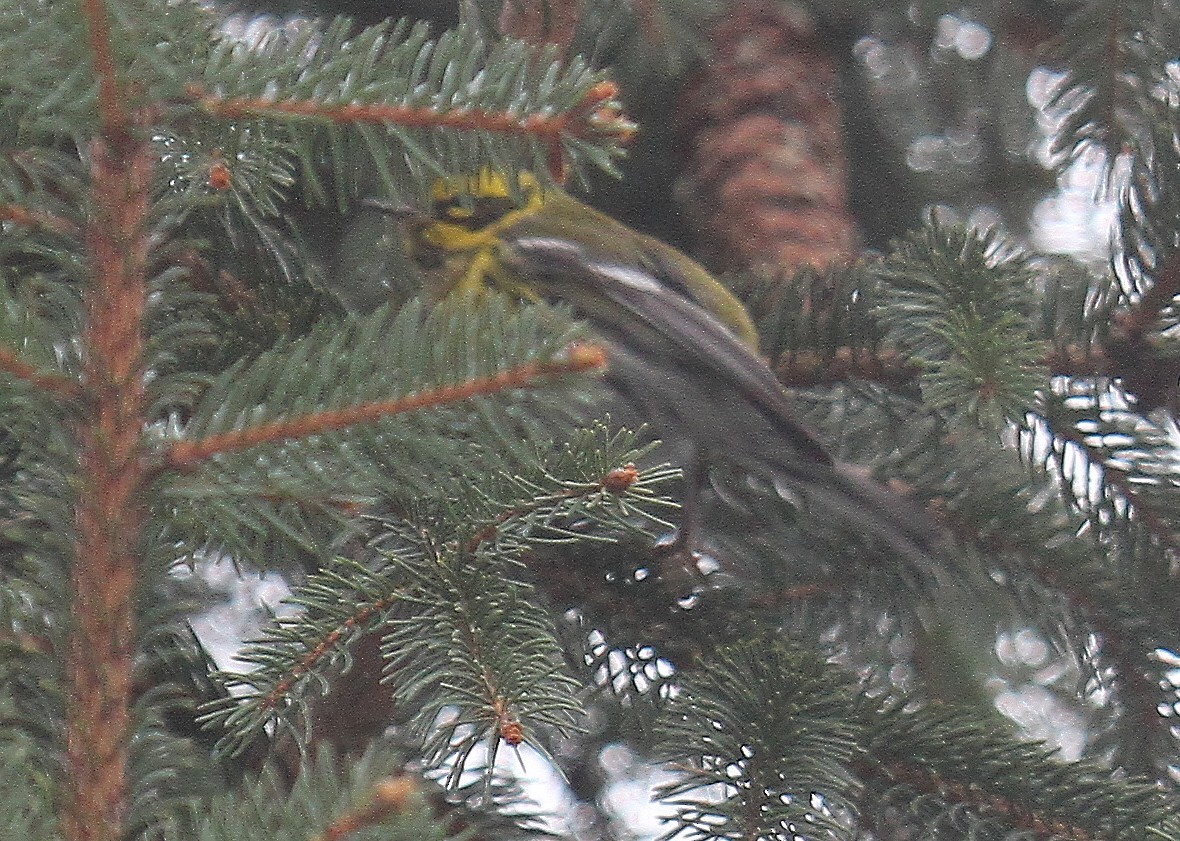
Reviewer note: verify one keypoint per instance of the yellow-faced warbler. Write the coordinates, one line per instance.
(681, 347)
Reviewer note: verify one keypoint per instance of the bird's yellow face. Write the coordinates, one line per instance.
(471, 218)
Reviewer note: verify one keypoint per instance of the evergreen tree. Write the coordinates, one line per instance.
(212, 351)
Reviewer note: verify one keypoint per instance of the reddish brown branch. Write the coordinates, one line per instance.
(804, 369)
(1153, 377)
(391, 796)
(27, 644)
(1132, 677)
(53, 383)
(111, 476)
(1127, 657)
(617, 482)
(409, 116)
(972, 795)
(109, 513)
(597, 116)
(1097, 608)
(224, 284)
(1077, 361)
(1092, 606)
(110, 102)
(508, 725)
(325, 646)
(1144, 314)
(186, 454)
(1154, 521)
(347, 507)
(24, 217)
(807, 368)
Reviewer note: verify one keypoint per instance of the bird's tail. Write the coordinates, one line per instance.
(846, 493)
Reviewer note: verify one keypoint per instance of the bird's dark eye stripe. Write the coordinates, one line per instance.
(472, 213)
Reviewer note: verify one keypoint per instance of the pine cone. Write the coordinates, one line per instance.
(767, 169)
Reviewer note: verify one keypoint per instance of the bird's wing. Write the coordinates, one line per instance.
(658, 315)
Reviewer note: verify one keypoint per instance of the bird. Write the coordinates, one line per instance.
(682, 349)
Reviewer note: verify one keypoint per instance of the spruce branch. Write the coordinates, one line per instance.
(1125, 496)
(446, 105)
(340, 604)
(365, 368)
(159, 209)
(26, 802)
(766, 723)
(1133, 324)
(474, 623)
(1134, 459)
(54, 384)
(375, 794)
(378, 399)
(390, 796)
(594, 115)
(51, 96)
(237, 174)
(414, 588)
(825, 329)
(184, 455)
(894, 369)
(957, 775)
(223, 284)
(1078, 362)
(945, 770)
(110, 511)
(112, 107)
(958, 301)
(1072, 591)
(27, 218)
(476, 661)
(807, 369)
(1112, 67)
(586, 490)
(537, 512)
